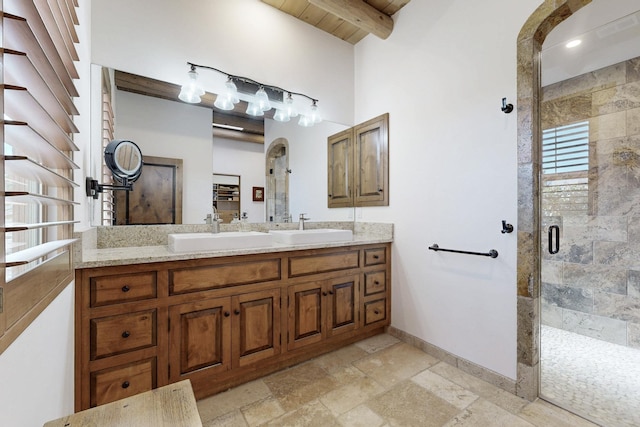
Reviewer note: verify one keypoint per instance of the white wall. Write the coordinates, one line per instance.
(441, 75)
(156, 38)
(37, 371)
(247, 160)
(172, 129)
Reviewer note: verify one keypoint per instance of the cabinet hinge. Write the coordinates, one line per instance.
(1, 300)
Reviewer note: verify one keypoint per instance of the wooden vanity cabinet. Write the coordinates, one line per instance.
(222, 321)
(322, 309)
(207, 337)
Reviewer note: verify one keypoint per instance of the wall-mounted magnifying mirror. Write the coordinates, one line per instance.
(124, 159)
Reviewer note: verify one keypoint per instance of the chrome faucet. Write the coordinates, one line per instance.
(301, 221)
(214, 220)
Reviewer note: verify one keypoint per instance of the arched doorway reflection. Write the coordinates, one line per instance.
(277, 181)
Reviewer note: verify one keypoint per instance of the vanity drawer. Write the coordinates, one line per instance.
(106, 290)
(117, 383)
(217, 276)
(375, 311)
(117, 334)
(375, 256)
(375, 282)
(312, 264)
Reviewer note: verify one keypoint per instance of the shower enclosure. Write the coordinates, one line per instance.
(590, 225)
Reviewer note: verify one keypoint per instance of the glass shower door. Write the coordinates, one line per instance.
(590, 236)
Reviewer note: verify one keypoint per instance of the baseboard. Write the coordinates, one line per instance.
(471, 368)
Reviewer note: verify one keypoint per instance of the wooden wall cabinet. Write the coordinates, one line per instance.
(358, 165)
(222, 321)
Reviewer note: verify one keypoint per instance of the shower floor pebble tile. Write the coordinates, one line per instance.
(378, 382)
(597, 379)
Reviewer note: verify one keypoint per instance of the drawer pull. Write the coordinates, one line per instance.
(375, 282)
(125, 384)
(126, 334)
(376, 311)
(376, 257)
(126, 288)
(236, 312)
(227, 314)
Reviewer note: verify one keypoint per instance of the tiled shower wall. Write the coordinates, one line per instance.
(592, 286)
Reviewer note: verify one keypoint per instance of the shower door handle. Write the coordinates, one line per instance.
(554, 249)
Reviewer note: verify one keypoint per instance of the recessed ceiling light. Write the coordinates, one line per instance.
(573, 43)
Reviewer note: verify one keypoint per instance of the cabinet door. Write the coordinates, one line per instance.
(340, 169)
(371, 143)
(344, 303)
(200, 337)
(305, 318)
(255, 327)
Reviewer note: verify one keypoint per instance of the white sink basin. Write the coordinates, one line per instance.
(321, 235)
(192, 242)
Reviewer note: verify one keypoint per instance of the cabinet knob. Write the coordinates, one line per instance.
(330, 195)
(126, 288)
(236, 312)
(125, 384)
(330, 292)
(227, 314)
(126, 334)
(375, 282)
(324, 294)
(376, 257)
(376, 312)
(380, 190)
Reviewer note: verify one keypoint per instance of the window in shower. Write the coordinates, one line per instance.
(565, 164)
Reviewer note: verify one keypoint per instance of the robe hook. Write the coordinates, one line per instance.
(506, 108)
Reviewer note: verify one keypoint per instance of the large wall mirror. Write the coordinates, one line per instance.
(169, 129)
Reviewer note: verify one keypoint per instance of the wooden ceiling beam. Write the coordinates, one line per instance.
(360, 14)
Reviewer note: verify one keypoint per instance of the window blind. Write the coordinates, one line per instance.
(38, 54)
(566, 148)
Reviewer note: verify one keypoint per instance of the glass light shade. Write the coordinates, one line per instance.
(281, 116)
(289, 107)
(231, 91)
(223, 102)
(315, 114)
(263, 100)
(305, 121)
(254, 109)
(191, 90)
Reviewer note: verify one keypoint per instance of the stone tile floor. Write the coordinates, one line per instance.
(377, 382)
(597, 379)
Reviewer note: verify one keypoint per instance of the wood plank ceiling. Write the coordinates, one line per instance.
(349, 20)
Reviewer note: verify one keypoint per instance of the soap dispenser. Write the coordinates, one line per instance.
(244, 222)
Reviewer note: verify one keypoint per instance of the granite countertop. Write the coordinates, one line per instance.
(91, 252)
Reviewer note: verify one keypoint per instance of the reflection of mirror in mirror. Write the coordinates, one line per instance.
(124, 159)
